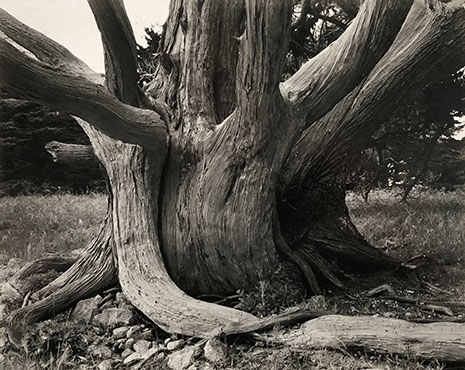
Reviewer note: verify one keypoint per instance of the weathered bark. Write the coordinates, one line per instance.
(430, 36)
(200, 182)
(74, 155)
(435, 341)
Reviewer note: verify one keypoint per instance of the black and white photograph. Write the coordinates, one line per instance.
(232, 184)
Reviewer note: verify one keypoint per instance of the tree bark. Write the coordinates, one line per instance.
(435, 341)
(74, 155)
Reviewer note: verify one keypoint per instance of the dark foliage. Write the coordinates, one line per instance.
(25, 166)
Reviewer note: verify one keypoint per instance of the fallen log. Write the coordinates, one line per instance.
(442, 341)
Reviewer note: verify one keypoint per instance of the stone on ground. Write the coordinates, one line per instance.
(139, 356)
(86, 309)
(182, 359)
(171, 346)
(215, 351)
(141, 345)
(113, 317)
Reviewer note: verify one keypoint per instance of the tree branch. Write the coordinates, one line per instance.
(326, 79)
(120, 48)
(29, 69)
(263, 50)
(429, 46)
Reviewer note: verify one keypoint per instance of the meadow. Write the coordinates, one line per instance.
(432, 225)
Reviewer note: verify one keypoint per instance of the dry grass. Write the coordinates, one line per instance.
(31, 226)
(433, 224)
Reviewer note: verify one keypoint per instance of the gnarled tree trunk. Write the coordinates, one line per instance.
(218, 168)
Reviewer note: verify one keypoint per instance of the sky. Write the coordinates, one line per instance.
(71, 23)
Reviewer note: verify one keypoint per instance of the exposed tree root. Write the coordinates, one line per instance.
(294, 256)
(58, 263)
(92, 272)
(435, 341)
(315, 259)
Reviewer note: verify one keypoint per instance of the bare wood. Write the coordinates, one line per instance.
(72, 154)
(120, 48)
(321, 82)
(57, 262)
(443, 341)
(28, 70)
(262, 53)
(427, 38)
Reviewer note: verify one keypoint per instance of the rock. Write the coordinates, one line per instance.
(133, 331)
(166, 341)
(105, 365)
(215, 351)
(171, 346)
(130, 343)
(101, 351)
(86, 309)
(138, 356)
(142, 345)
(183, 358)
(127, 352)
(161, 356)
(2, 361)
(120, 332)
(9, 292)
(113, 317)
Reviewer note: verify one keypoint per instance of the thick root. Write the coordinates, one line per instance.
(93, 272)
(58, 263)
(98, 253)
(436, 341)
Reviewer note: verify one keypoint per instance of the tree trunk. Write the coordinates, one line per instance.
(218, 169)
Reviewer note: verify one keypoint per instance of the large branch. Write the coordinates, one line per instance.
(324, 80)
(29, 69)
(120, 48)
(263, 51)
(429, 46)
(74, 155)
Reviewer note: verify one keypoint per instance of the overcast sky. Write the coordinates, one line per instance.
(71, 23)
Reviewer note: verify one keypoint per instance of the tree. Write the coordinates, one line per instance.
(218, 168)
(416, 146)
(25, 166)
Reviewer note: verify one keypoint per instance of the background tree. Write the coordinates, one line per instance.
(416, 146)
(25, 166)
(218, 170)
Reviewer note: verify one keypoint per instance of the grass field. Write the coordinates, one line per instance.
(33, 225)
(433, 224)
